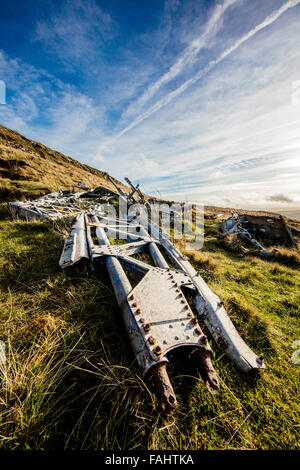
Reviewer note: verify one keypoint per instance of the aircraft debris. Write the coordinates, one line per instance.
(162, 311)
(247, 227)
(52, 206)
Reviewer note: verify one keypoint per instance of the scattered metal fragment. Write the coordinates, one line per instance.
(81, 186)
(270, 227)
(155, 318)
(99, 193)
(247, 227)
(2, 353)
(160, 382)
(203, 360)
(50, 207)
(135, 189)
(294, 231)
(75, 247)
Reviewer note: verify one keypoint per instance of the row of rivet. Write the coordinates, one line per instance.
(152, 340)
(146, 326)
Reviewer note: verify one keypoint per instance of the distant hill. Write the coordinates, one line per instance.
(291, 213)
(29, 169)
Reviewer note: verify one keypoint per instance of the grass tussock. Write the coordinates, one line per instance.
(32, 391)
(287, 256)
(203, 260)
(233, 243)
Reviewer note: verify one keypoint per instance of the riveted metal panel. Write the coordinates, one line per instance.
(163, 314)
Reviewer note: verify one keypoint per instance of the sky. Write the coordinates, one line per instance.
(196, 100)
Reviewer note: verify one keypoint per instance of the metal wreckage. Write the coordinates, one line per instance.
(247, 227)
(162, 309)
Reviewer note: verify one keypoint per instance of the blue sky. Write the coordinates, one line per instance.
(195, 99)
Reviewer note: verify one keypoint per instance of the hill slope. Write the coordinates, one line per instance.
(29, 169)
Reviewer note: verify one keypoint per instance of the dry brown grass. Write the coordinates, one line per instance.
(203, 259)
(288, 256)
(30, 169)
(233, 243)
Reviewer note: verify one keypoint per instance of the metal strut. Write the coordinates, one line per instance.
(156, 313)
(156, 374)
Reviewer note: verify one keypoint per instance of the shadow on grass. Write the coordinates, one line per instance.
(248, 320)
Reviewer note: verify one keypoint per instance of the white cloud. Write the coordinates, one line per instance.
(235, 134)
(143, 165)
(75, 31)
(190, 52)
(45, 109)
(202, 73)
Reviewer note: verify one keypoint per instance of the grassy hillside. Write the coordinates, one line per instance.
(70, 380)
(29, 169)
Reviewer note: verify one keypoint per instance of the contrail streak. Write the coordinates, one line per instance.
(167, 99)
(190, 52)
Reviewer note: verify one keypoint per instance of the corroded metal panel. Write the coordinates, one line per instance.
(163, 314)
(213, 312)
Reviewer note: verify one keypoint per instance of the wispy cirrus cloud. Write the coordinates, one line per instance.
(237, 133)
(75, 31)
(46, 109)
(202, 73)
(191, 52)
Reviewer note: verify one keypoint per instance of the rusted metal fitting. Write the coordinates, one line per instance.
(194, 321)
(142, 320)
(160, 382)
(147, 327)
(221, 343)
(203, 339)
(152, 340)
(158, 350)
(198, 331)
(202, 359)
